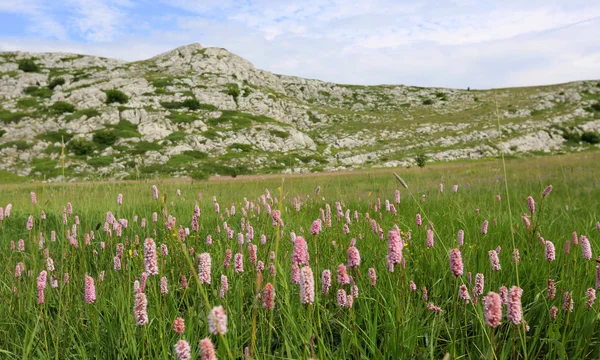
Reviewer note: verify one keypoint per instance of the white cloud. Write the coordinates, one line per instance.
(98, 20)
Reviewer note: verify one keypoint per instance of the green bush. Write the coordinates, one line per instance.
(427, 102)
(38, 92)
(56, 82)
(590, 137)
(126, 129)
(56, 136)
(196, 154)
(279, 133)
(199, 175)
(176, 136)
(116, 96)
(19, 144)
(28, 65)
(61, 107)
(10, 117)
(233, 90)
(180, 118)
(172, 105)
(2, 132)
(100, 161)
(421, 159)
(79, 113)
(143, 146)
(191, 104)
(81, 147)
(28, 103)
(105, 137)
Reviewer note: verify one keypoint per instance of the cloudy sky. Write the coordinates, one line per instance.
(452, 43)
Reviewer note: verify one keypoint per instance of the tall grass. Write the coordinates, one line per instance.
(387, 320)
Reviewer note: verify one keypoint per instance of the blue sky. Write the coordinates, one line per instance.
(455, 43)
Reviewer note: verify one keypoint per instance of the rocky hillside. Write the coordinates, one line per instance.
(200, 111)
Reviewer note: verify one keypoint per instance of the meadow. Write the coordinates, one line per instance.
(239, 267)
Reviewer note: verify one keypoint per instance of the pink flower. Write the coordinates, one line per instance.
(90, 290)
(41, 286)
(227, 260)
(526, 221)
(300, 253)
(397, 196)
(354, 291)
(479, 284)
(150, 261)
(238, 263)
(464, 293)
(456, 264)
(207, 350)
(353, 257)
(513, 305)
(342, 275)
(516, 256)
(586, 248)
(492, 308)
(179, 325)
(325, 281)
(568, 304)
(315, 229)
(217, 321)
(395, 246)
(418, 220)
(30, 223)
(307, 286)
(412, 286)
(461, 237)
(163, 285)
(550, 252)
(140, 309)
(430, 238)
(154, 192)
(494, 260)
(204, 267)
(425, 294)
(269, 297)
(455, 188)
(591, 298)
(342, 298)
(372, 276)
(224, 286)
(441, 187)
(433, 308)
(567, 248)
(553, 312)
(531, 205)
(295, 273)
(484, 227)
(575, 238)
(120, 199)
(551, 289)
(33, 198)
(182, 350)
(547, 190)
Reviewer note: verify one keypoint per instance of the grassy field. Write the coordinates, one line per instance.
(387, 320)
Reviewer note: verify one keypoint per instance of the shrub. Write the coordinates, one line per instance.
(172, 105)
(143, 146)
(199, 175)
(38, 92)
(116, 96)
(2, 132)
(19, 144)
(595, 107)
(176, 136)
(180, 118)
(56, 136)
(100, 161)
(10, 117)
(81, 146)
(233, 90)
(89, 113)
(27, 103)
(279, 133)
(28, 65)
(56, 82)
(191, 104)
(590, 137)
(427, 102)
(105, 137)
(196, 154)
(61, 107)
(421, 159)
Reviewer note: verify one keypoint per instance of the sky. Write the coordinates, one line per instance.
(452, 43)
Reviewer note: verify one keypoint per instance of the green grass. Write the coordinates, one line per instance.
(56, 136)
(89, 113)
(387, 320)
(182, 118)
(43, 93)
(238, 119)
(28, 103)
(19, 144)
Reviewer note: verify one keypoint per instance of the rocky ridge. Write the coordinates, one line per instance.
(201, 111)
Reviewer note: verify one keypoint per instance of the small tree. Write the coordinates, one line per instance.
(116, 96)
(590, 137)
(421, 159)
(28, 65)
(61, 107)
(105, 137)
(81, 147)
(56, 82)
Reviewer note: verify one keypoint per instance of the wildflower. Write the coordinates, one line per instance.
(516, 256)
(598, 277)
(551, 289)
(586, 249)
(568, 303)
(550, 253)
(300, 253)
(295, 273)
(342, 275)
(207, 350)
(547, 191)
(163, 285)
(484, 227)
(307, 286)
(224, 286)
(575, 238)
(494, 260)
(395, 246)
(217, 321)
(269, 297)
(238, 263)
(513, 305)
(456, 264)
(41, 286)
(140, 309)
(412, 286)
(227, 260)
(441, 188)
(464, 293)
(342, 298)
(372, 276)
(591, 298)
(479, 284)
(425, 294)
(179, 325)
(492, 308)
(353, 257)
(461, 237)
(184, 282)
(154, 192)
(182, 350)
(418, 220)
(567, 248)
(432, 307)
(430, 238)
(325, 281)
(553, 312)
(531, 205)
(315, 229)
(120, 199)
(503, 292)
(90, 290)
(204, 267)
(150, 262)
